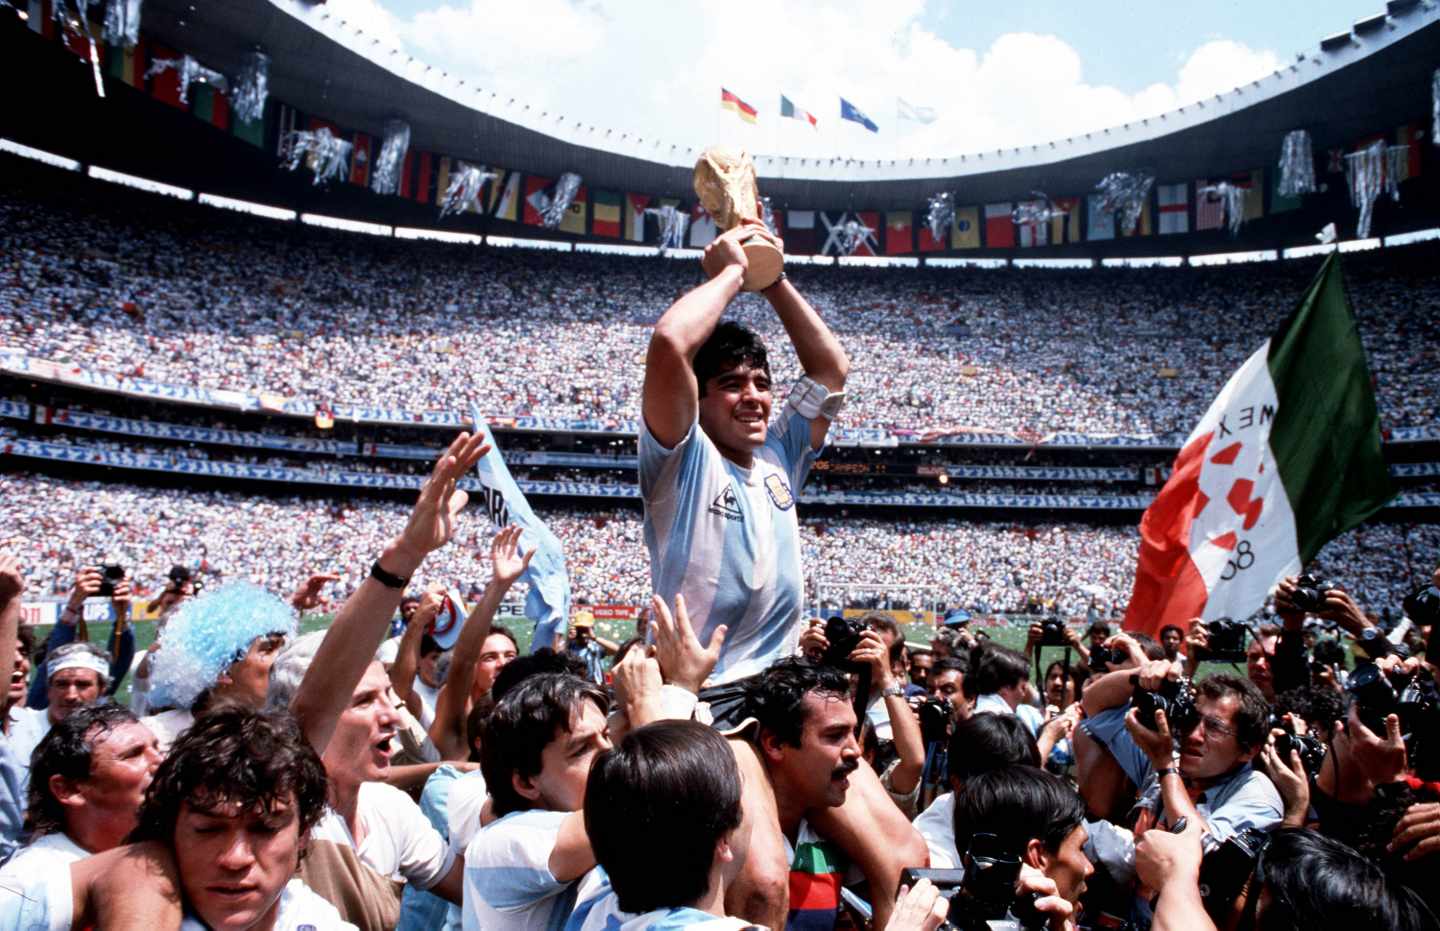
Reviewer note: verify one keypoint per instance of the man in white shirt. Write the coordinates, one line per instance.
(89, 777)
(76, 675)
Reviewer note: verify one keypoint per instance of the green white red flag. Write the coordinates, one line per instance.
(1287, 458)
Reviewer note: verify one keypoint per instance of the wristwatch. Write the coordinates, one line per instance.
(1168, 771)
(893, 690)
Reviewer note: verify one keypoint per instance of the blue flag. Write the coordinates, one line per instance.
(848, 111)
(548, 603)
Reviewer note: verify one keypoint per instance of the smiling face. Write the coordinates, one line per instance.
(360, 749)
(735, 411)
(15, 695)
(495, 654)
(234, 863)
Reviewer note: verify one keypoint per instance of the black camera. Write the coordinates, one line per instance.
(1310, 592)
(1224, 871)
(1423, 605)
(1104, 659)
(935, 715)
(1311, 749)
(1174, 698)
(1414, 700)
(843, 635)
(983, 894)
(1052, 633)
(1224, 641)
(110, 573)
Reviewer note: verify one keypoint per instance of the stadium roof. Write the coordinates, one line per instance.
(1375, 74)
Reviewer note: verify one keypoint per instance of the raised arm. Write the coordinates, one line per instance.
(817, 348)
(362, 622)
(407, 654)
(671, 397)
(12, 586)
(452, 705)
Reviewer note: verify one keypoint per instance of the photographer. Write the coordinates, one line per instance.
(901, 777)
(107, 581)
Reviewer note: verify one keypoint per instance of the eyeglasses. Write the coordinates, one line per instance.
(1215, 727)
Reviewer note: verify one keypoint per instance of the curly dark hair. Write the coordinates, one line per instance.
(729, 345)
(235, 755)
(66, 751)
(776, 698)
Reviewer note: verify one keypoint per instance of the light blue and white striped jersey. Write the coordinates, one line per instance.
(508, 883)
(601, 912)
(727, 538)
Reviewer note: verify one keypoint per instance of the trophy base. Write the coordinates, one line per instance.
(765, 263)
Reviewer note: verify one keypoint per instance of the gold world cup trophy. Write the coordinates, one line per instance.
(725, 184)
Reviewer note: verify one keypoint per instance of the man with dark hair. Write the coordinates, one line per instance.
(1034, 817)
(75, 675)
(522, 871)
(980, 743)
(663, 813)
(999, 681)
(947, 683)
(719, 481)
(921, 662)
(87, 779)
(1172, 638)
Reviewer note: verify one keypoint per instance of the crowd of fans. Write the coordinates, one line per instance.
(133, 284)
(979, 566)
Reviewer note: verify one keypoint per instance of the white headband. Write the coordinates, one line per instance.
(80, 659)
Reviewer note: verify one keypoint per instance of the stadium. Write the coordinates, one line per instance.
(1007, 496)
(210, 360)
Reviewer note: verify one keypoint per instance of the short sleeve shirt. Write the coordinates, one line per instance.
(728, 538)
(508, 883)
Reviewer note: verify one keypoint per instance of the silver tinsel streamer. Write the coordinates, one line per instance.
(672, 226)
(1297, 165)
(385, 173)
(1435, 107)
(853, 235)
(74, 15)
(1374, 170)
(252, 88)
(940, 215)
(1124, 193)
(190, 72)
(767, 216)
(565, 190)
(1036, 212)
(122, 23)
(463, 191)
(1234, 199)
(319, 151)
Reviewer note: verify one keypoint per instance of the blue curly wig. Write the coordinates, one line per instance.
(207, 634)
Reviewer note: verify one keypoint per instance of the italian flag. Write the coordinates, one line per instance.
(1287, 458)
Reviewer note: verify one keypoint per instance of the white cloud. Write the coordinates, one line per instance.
(654, 68)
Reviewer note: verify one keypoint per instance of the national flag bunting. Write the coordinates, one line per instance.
(1287, 458)
(737, 106)
(908, 111)
(635, 205)
(999, 227)
(1065, 227)
(790, 111)
(606, 209)
(702, 230)
(898, 240)
(504, 195)
(1100, 223)
(1174, 208)
(966, 231)
(848, 111)
(360, 156)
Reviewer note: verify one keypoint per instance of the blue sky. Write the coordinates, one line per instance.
(996, 74)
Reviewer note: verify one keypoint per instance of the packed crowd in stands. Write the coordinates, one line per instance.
(192, 296)
(986, 567)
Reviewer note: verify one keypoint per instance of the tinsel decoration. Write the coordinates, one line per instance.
(320, 151)
(463, 191)
(553, 210)
(672, 226)
(74, 16)
(940, 215)
(1036, 212)
(252, 88)
(1297, 165)
(1374, 170)
(767, 216)
(385, 173)
(853, 235)
(190, 72)
(122, 23)
(1435, 107)
(1124, 193)
(1233, 197)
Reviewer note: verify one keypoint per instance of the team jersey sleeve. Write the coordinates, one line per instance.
(508, 863)
(663, 471)
(789, 436)
(424, 856)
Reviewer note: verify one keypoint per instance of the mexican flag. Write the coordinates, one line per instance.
(1287, 458)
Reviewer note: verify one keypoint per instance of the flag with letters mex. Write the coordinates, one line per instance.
(1287, 458)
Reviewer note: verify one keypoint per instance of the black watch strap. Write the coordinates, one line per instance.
(386, 579)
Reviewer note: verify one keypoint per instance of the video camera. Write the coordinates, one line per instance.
(983, 895)
(1412, 698)
(1173, 698)
(1225, 641)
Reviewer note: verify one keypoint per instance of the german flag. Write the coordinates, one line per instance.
(742, 109)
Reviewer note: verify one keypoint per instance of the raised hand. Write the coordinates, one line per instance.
(432, 522)
(307, 596)
(12, 583)
(506, 563)
(725, 251)
(872, 652)
(87, 582)
(683, 660)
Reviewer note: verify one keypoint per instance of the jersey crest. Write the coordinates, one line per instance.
(779, 492)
